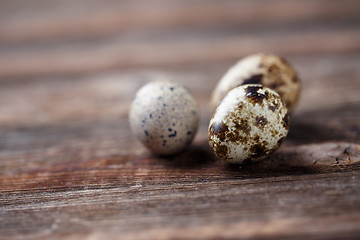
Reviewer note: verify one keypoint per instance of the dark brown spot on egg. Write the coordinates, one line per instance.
(235, 137)
(258, 150)
(221, 151)
(260, 121)
(274, 69)
(172, 134)
(286, 121)
(272, 108)
(295, 78)
(276, 84)
(254, 79)
(243, 125)
(219, 130)
(276, 75)
(252, 89)
(275, 132)
(253, 94)
(276, 105)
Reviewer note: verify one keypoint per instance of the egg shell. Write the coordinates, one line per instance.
(267, 69)
(164, 116)
(250, 123)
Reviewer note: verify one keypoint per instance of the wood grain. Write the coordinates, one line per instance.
(62, 20)
(70, 167)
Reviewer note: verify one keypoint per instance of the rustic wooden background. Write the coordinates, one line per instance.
(70, 168)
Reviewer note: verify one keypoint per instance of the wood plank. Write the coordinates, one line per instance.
(173, 53)
(42, 20)
(141, 209)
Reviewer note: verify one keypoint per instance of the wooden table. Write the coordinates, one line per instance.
(70, 167)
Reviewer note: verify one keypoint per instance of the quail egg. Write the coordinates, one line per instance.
(164, 116)
(267, 69)
(250, 123)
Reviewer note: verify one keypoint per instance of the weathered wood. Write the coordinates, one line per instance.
(173, 53)
(41, 21)
(63, 37)
(70, 167)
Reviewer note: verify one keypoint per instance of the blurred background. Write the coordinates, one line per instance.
(74, 58)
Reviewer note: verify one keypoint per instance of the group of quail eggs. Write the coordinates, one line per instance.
(251, 105)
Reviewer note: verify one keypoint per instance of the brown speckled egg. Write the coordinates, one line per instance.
(250, 123)
(164, 116)
(269, 70)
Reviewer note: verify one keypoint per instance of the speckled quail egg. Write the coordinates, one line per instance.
(250, 123)
(164, 116)
(267, 69)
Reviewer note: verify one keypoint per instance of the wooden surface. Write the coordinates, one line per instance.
(70, 168)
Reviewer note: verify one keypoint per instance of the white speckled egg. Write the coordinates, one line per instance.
(267, 69)
(250, 123)
(164, 116)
